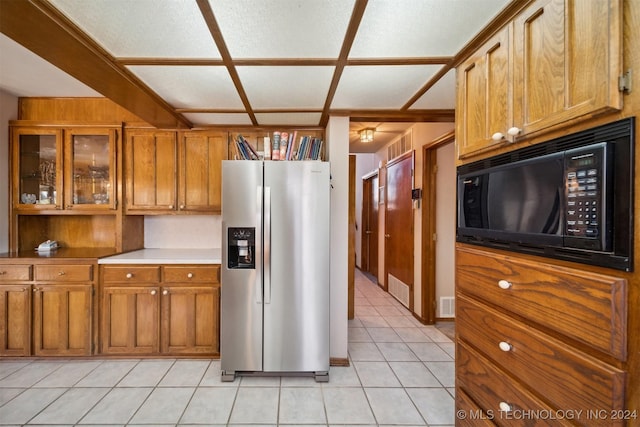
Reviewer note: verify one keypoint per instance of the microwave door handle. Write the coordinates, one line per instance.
(257, 237)
(267, 245)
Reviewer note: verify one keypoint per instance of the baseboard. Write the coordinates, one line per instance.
(339, 361)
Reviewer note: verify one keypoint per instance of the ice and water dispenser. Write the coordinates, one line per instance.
(242, 247)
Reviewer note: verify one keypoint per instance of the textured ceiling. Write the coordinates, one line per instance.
(255, 62)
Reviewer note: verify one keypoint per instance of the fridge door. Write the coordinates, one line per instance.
(241, 284)
(296, 292)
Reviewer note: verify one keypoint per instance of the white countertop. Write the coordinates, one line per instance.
(166, 256)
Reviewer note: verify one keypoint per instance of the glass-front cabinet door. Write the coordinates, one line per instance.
(90, 169)
(37, 168)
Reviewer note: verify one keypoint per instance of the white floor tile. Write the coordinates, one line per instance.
(68, 374)
(347, 405)
(210, 406)
(429, 352)
(365, 351)
(117, 407)
(376, 374)
(393, 406)
(435, 405)
(396, 352)
(185, 373)
(256, 405)
(384, 335)
(147, 374)
(301, 406)
(108, 374)
(414, 374)
(71, 406)
(29, 374)
(163, 406)
(28, 404)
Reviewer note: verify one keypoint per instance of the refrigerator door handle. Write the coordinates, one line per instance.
(258, 237)
(267, 245)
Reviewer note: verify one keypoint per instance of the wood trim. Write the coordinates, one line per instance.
(428, 244)
(39, 27)
(339, 361)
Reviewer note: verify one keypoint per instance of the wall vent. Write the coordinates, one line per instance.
(401, 146)
(399, 290)
(447, 307)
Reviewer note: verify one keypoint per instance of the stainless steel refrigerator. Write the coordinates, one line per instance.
(275, 268)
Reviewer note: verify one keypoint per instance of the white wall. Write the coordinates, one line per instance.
(337, 135)
(445, 222)
(183, 231)
(8, 111)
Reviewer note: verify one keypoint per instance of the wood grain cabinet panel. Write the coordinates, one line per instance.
(547, 366)
(15, 319)
(130, 320)
(192, 274)
(131, 274)
(62, 320)
(556, 63)
(64, 273)
(588, 307)
(492, 387)
(468, 414)
(13, 273)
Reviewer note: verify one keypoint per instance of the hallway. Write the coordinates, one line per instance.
(401, 373)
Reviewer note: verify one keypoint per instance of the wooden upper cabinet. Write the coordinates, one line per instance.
(150, 170)
(484, 93)
(57, 169)
(557, 62)
(172, 173)
(200, 172)
(568, 57)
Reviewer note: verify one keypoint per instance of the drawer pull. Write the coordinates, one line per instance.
(129, 275)
(504, 284)
(61, 273)
(190, 275)
(165, 292)
(153, 292)
(505, 407)
(505, 346)
(2, 273)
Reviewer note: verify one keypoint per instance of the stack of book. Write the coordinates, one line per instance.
(283, 147)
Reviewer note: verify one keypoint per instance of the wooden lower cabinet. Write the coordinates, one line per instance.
(523, 347)
(46, 309)
(175, 313)
(15, 320)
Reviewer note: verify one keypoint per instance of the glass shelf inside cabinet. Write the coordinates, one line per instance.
(91, 169)
(38, 157)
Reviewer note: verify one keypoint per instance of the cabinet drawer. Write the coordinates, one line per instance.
(132, 274)
(64, 273)
(491, 388)
(550, 368)
(191, 274)
(468, 414)
(13, 273)
(588, 307)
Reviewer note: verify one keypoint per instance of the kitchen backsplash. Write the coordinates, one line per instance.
(183, 231)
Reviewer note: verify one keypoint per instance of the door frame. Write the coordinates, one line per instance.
(428, 240)
(367, 202)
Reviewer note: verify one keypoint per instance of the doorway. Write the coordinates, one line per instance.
(369, 240)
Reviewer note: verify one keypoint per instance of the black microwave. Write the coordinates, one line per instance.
(569, 198)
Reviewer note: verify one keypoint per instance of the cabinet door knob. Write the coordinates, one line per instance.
(504, 284)
(61, 273)
(505, 346)
(165, 292)
(514, 131)
(129, 275)
(170, 206)
(190, 275)
(181, 206)
(498, 136)
(153, 292)
(505, 407)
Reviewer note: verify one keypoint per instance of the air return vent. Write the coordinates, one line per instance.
(401, 146)
(447, 307)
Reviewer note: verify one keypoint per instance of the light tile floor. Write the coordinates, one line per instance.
(401, 373)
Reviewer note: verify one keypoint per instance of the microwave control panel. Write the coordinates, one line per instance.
(586, 180)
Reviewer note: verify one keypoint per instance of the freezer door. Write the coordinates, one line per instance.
(296, 293)
(241, 288)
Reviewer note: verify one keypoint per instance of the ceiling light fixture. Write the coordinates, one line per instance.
(366, 135)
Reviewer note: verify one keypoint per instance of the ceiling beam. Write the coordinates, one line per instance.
(37, 26)
(397, 116)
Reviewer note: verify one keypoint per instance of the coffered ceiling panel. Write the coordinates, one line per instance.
(284, 119)
(440, 95)
(204, 119)
(143, 28)
(191, 86)
(380, 86)
(286, 87)
(420, 28)
(283, 28)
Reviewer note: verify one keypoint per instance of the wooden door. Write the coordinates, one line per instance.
(150, 172)
(200, 172)
(62, 320)
(399, 221)
(573, 47)
(15, 320)
(190, 319)
(484, 96)
(369, 252)
(130, 320)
